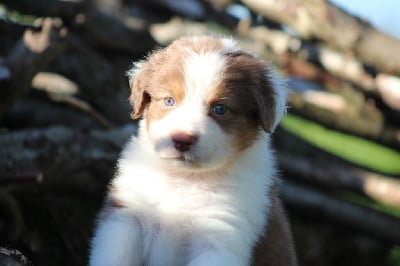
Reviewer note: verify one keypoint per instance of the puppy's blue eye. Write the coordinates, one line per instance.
(219, 109)
(169, 101)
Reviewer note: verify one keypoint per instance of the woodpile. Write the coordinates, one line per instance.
(64, 116)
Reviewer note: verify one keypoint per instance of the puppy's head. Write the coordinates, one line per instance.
(204, 101)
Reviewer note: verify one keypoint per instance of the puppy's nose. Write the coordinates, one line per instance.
(183, 141)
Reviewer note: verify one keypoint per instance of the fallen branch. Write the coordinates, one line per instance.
(56, 151)
(61, 89)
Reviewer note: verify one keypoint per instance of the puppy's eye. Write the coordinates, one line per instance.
(169, 101)
(219, 109)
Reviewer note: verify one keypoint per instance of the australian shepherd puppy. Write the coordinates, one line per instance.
(196, 186)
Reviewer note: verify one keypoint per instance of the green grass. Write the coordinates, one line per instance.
(394, 257)
(361, 200)
(354, 149)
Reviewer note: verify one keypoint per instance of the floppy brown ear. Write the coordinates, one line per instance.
(139, 97)
(266, 110)
(271, 101)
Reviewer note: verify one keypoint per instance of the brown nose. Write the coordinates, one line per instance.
(183, 141)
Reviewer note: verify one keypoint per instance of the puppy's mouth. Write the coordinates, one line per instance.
(191, 158)
(185, 157)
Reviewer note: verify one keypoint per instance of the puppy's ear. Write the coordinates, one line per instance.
(267, 88)
(271, 107)
(139, 97)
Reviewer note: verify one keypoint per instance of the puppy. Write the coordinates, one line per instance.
(196, 186)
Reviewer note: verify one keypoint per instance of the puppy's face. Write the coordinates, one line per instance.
(204, 101)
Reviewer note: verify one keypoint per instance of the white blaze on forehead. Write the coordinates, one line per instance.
(202, 72)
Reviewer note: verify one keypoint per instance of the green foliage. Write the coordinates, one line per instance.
(394, 257)
(16, 16)
(361, 200)
(351, 148)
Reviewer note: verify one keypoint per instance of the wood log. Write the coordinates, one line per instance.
(335, 176)
(38, 111)
(388, 87)
(321, 205)
(338, 64)
(367, 122)
(55, 152)
(320, 63)
(323, 20)
(102, 30)
(101, 83)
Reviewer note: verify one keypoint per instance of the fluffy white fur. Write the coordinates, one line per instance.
(208, 213)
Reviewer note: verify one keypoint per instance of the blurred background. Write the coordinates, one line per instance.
(64, 116)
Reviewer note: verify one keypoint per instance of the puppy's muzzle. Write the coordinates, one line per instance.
(183, 141)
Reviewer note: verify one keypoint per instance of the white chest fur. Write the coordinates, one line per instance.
(169, 219)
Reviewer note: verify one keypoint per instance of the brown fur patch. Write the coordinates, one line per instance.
(248, 93)
(246, 72)
(161, 75)
(275, 247)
